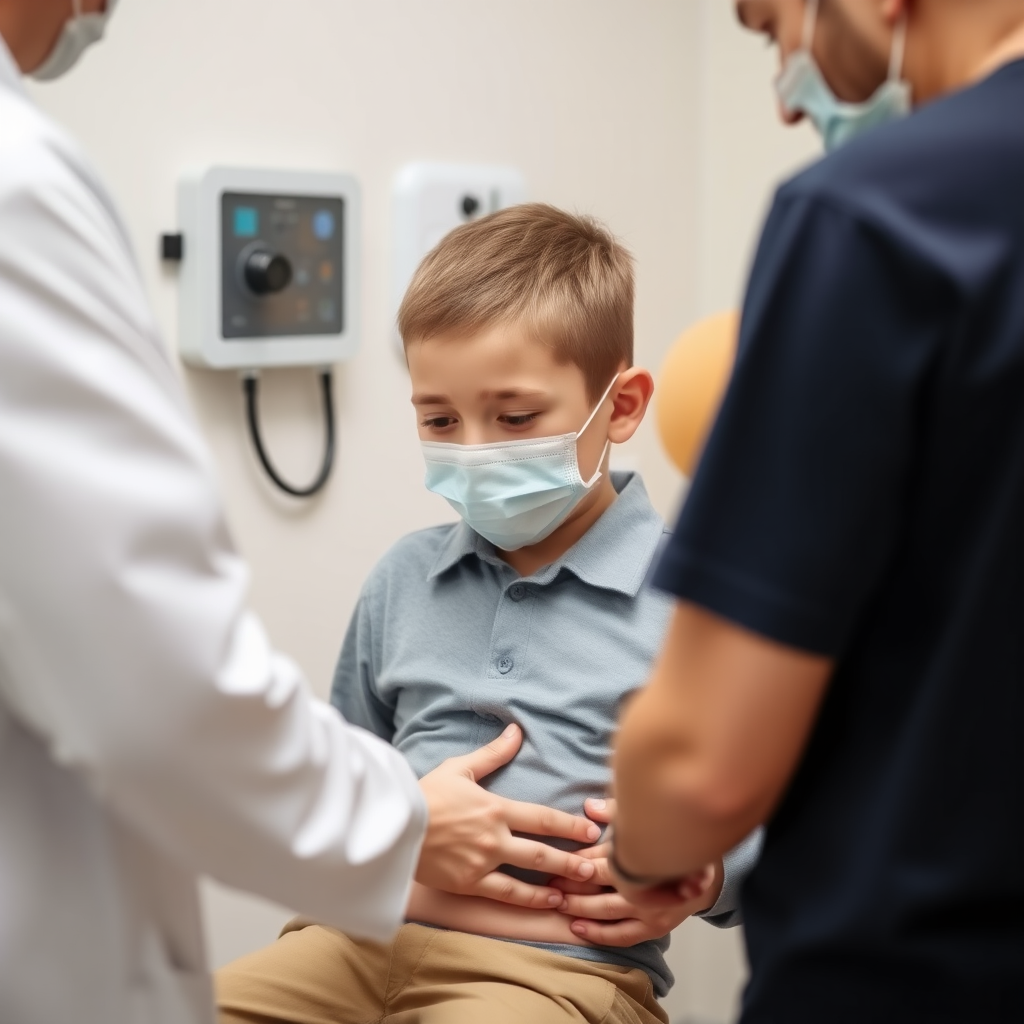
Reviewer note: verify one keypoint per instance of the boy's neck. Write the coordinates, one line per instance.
(526, 561)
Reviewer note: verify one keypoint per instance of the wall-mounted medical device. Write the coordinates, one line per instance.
(269, 274)
(269, 277)
(430, 199)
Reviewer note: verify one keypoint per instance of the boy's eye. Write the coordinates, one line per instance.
(439, 422)
(518, 419)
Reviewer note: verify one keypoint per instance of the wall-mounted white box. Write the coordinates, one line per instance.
(431, 199)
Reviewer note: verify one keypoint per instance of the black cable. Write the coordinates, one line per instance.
(251, 384)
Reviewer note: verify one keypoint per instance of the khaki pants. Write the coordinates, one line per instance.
(317, 975)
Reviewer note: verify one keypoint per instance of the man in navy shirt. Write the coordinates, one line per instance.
(846, 660)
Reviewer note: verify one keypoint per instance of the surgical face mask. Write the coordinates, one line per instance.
(802, 87)
(513, 493)
(79, 33)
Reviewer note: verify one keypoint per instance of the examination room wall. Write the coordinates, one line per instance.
(654, 115)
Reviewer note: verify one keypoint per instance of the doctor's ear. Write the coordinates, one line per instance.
(630, 396)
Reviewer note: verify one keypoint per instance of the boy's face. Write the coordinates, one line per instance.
(498, 385)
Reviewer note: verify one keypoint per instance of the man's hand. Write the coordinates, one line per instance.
(469, 834)
(607, 912)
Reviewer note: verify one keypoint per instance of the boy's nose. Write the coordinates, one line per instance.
(473, 435)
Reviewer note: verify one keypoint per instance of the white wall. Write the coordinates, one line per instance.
(654, 115)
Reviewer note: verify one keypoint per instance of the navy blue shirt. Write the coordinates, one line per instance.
(862, 496)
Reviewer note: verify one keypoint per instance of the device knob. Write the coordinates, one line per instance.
(266, 272)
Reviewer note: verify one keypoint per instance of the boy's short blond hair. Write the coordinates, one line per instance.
(564, 278)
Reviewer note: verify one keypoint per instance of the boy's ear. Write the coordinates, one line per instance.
(631, 396)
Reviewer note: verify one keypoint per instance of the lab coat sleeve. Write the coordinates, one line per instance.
(354, 691)
(125, 641)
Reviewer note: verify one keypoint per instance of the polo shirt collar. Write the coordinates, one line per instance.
(10, 74)
(614, 554)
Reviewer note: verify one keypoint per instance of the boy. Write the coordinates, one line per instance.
(518, 331)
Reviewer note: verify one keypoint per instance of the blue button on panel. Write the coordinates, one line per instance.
(247, 222)
(505, 665)
(517, 592)
(323, 224)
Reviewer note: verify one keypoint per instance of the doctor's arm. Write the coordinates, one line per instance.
(126, 643)
(127, 647)
(705, 752)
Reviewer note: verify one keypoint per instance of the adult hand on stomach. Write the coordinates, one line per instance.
(605, 916)
(470, 833)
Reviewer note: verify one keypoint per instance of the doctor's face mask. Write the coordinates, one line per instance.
(802, 88)
(513, 493)
(80, 31)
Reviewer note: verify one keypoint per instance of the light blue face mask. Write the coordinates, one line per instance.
(802, 88)
(513, 493)
(77, 35)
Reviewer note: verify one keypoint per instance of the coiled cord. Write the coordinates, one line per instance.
(250, 382)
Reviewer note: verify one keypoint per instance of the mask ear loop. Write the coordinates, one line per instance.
(899, 48)
(810, 23)
(607, 445)
(590, 418)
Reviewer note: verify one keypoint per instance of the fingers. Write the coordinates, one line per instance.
(661, 896)
(505, 889)
(600, 810)
(606, 906)
(599, 852)
(621, 933)
(526, 853)
(491, 757)
(537, 820)
(602, 871)
(576, 888)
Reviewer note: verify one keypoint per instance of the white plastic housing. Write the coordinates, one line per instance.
(200, 333)
(428, 203)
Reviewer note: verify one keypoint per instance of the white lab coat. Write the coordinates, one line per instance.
(148, 732)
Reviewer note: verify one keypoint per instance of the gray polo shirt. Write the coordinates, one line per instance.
(449, 644)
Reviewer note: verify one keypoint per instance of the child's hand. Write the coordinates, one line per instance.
(608, 918)
(472, 832)
(605, 917)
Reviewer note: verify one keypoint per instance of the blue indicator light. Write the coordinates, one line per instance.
(323, 224)
(247, 222)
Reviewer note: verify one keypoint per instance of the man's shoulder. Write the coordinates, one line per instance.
(924, 163)
(35, 152)
(50, 195)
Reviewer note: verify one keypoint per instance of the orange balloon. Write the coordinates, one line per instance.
(691, 385)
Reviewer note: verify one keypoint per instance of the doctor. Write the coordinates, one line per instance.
(148, 731)
(846, 660)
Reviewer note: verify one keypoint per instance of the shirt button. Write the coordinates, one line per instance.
(517, 592)
(505, 665)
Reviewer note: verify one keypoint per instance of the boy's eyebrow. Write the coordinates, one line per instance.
(512, 393)
(503, 394)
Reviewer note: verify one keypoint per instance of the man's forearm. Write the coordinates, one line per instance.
(705, 752)
(667, 826)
